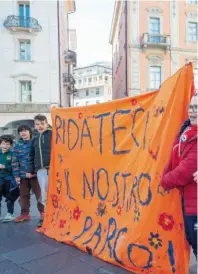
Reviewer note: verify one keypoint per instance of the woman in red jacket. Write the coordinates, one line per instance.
(180, 169)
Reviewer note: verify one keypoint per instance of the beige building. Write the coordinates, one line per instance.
(36, 61)
(151, 40)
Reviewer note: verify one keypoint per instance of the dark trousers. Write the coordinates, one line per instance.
(25, 186)
(191, 232)
(8, 191)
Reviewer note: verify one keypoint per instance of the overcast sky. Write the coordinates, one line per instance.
(92, 21)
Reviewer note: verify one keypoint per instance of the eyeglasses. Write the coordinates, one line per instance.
(192, 108)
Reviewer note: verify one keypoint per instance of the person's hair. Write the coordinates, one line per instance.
(40, 118)
(6, 139)
(24, 127)
(186, 122)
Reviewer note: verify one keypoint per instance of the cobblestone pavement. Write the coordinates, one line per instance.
(22, 251)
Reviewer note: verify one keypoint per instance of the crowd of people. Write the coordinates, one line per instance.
(25, 166)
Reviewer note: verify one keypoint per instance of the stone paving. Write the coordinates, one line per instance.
(22, 251)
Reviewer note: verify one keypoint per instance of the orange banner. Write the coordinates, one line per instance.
(105, 195)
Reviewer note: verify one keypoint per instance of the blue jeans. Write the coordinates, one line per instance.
(9, 190)
(191, 231)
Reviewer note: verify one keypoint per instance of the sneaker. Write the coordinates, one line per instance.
(8, 218)
(22, 218)
(40, 223)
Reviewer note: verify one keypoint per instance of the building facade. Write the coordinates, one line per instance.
(35, 56)
(160, 37)
(93, 83)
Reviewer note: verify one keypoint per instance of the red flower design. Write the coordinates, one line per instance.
(76, 213)
(80, 115)
(54, 201)
(134, 102)
(166, 221)
(119, 210)
(62, 223)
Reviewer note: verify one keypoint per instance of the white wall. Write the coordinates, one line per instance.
(43, 71)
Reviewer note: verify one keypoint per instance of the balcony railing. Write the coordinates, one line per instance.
(156, 40)
(70, 57)
(68, 79)
(16, 23)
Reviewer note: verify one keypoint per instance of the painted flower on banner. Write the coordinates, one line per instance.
(166, 221)
(136, 215)
(101, 209)
(62, 223)
(58, 186)
(119, 210)
(134, 102)
(76, 213)
(54, 201)
(155, 241)
(80, 115)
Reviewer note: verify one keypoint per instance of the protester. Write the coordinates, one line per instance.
(19, 170)
(180, 170)
(39, 157)
(8, 186)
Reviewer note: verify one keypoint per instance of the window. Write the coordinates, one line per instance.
(87, 92)
(100, 78)
(97, 101)
(106, 79)
(154, 28)
(84, 81)
(95, 79)
(192, 31)
(155, 77)
(97, 91)
(77, 104)
(192, 2)
(24, 13)
(89, 81)
(109, 91)
(25, 50)
(87, 103)
(26, 91)
(79, 82)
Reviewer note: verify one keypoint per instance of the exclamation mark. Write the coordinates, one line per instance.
(171, 255)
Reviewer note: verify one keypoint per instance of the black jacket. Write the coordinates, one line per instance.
(40, 150)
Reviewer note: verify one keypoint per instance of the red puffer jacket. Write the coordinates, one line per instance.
(181, 167)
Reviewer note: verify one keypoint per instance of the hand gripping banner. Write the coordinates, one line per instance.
(104, 193)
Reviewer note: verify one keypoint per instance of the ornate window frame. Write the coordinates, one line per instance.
(23, 77)
(155, 12)
(154, 60)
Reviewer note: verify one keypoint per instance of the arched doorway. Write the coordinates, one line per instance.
(11, 128)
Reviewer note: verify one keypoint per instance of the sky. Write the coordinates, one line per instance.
(92, 21)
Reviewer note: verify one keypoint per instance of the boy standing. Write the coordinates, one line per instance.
(39, 157)
(19, 169)
(8, 186)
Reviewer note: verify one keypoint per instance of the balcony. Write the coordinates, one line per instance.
(68, 79)
(70, 57)
(19, 23)
(156, 40)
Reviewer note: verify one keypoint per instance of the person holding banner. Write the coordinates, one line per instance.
(39, 157)
(181, 170)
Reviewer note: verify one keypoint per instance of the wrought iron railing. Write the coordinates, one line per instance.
(68, 79)
(13, 21)
(70, 57)
(158, 39)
